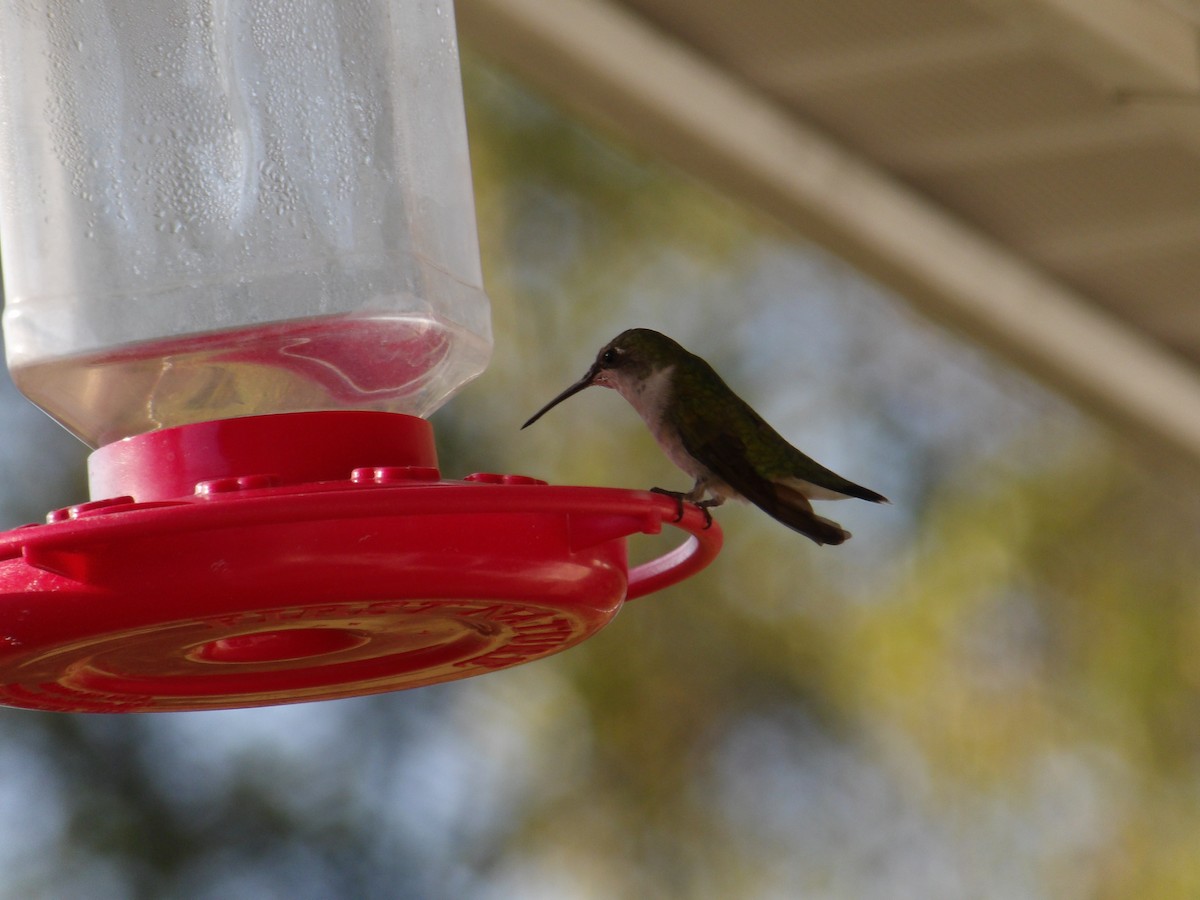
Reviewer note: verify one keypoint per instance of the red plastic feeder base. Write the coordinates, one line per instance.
(309, 556)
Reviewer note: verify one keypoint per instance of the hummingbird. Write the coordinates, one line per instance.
(714, 436)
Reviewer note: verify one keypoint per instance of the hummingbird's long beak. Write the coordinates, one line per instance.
(584, 382)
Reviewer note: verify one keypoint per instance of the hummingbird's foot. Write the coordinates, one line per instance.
(678, 497)
(705, 505)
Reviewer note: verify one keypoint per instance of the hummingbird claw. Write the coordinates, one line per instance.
(677, 496)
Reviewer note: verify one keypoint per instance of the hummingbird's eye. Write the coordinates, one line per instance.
(609, 357)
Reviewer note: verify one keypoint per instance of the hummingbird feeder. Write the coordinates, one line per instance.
(240, 261)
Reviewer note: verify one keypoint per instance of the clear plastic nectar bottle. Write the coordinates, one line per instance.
(219, 208)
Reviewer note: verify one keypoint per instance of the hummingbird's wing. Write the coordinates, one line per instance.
(806, 473)
(725, 456)
(768, 453)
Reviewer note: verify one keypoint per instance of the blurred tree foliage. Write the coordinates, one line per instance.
(992, 691)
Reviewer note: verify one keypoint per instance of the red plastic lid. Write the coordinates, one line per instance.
(216, 572)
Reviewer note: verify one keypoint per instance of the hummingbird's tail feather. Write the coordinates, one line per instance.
(793, 510)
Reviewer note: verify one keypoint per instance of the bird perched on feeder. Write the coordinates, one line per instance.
(713, 435)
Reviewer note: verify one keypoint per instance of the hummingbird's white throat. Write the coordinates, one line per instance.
(649, 395)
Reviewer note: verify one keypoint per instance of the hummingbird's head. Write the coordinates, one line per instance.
(632, 357)
(624, 363)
